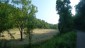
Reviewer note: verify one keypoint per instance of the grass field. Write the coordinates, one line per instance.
(41, 38)
(38, 35)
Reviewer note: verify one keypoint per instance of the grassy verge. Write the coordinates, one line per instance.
(67, 40)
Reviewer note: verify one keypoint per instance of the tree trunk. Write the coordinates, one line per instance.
(21, 33)
(30, 38)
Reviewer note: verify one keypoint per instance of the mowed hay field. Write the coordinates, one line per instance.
(38, 35)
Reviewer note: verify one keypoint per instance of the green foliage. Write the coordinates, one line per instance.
(64, 10)
(42, 24)
(31, 20)
(67, 40)
(79, 19)
(5, 16)
(24, 15)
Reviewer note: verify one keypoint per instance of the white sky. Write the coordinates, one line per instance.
(73, 3)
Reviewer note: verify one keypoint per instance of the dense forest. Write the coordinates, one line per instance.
(67, 21)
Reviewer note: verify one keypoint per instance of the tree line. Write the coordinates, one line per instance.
(42, 24)
(67, 21)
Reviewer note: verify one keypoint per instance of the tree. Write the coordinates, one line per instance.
(18, 15)
(80, 16)
(64, 10)
(31, 24)
(5, 16)
(26, 11)
(20, 21)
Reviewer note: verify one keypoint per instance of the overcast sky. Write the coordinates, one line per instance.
(47, 10)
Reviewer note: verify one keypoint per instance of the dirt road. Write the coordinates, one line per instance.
(80, 39)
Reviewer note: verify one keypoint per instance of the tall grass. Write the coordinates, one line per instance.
(67, 40)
